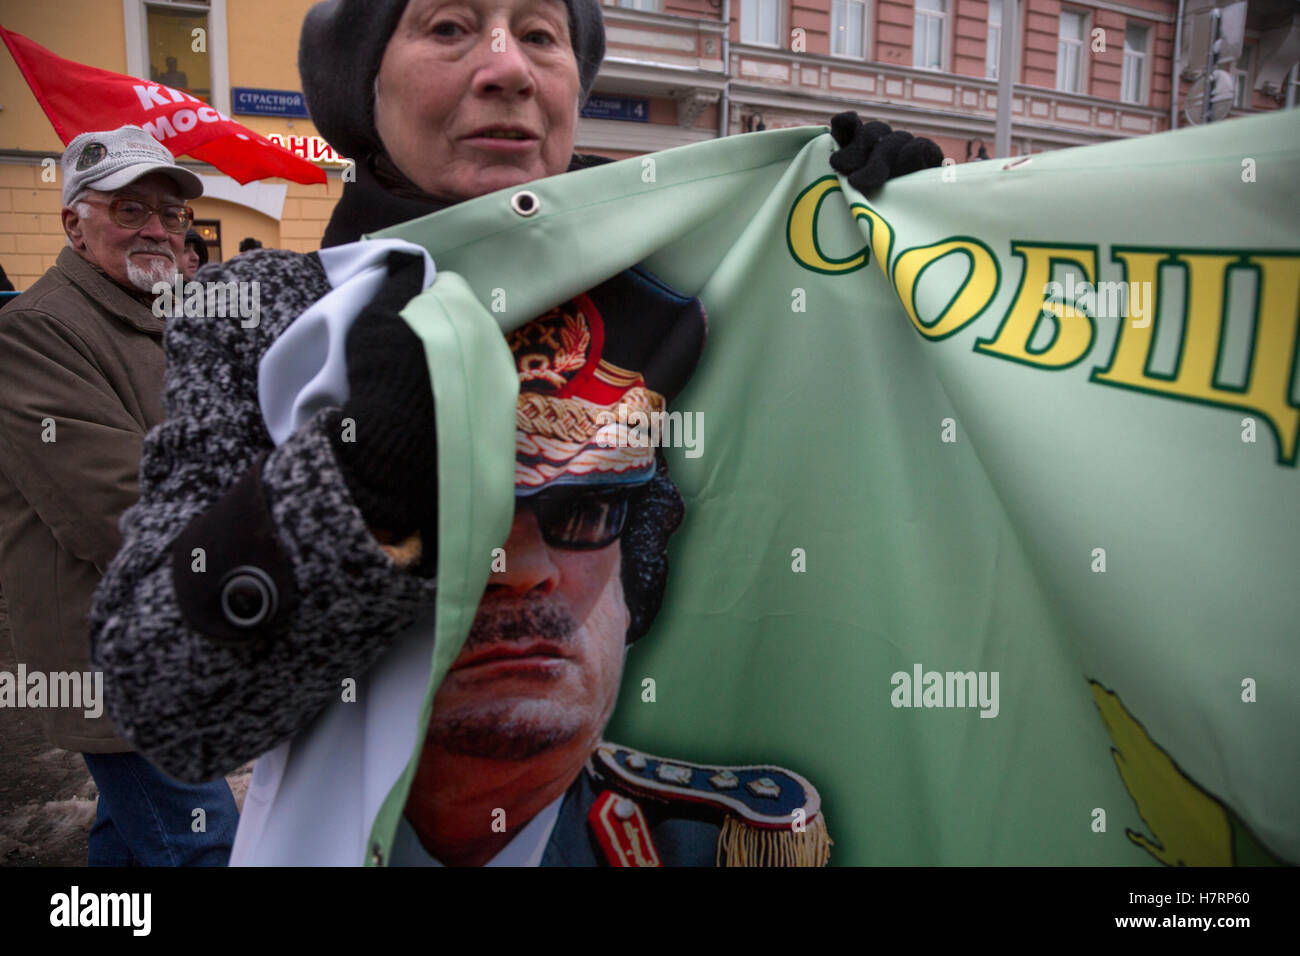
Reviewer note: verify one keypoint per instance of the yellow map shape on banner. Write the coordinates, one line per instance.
(1188, 826)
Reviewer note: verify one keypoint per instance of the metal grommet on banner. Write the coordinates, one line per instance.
(525, 203)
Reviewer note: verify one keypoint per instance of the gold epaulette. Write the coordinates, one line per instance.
(770, 816)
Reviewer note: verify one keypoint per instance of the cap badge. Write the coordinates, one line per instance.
(552, 348)
(91, 155)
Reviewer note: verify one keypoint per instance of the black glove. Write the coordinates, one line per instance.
(391, 466)
(870, 153)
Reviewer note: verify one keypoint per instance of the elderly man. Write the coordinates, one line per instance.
(81, 357)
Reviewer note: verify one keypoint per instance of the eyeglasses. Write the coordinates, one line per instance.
(582, 519)
(133, 214)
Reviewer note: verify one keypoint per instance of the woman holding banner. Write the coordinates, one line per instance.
(257, 574)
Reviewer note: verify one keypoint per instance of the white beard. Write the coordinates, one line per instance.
(144, 278)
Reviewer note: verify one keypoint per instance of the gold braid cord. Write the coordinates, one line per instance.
(576, 419)
(405, 554)
(740, 844)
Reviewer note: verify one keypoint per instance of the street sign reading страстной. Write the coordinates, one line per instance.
(257, 102)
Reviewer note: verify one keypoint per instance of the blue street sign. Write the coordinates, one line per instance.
(625, 108)
(267, 102)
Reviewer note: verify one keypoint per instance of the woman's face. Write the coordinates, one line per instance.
(189, 261)
(478, 95)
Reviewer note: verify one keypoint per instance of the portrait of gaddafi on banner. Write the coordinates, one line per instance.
(518, 720)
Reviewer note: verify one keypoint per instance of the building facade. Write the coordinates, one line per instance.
(1085, 71)
(677, 72)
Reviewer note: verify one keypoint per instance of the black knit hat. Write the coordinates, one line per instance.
(192, 238)
(343, 42)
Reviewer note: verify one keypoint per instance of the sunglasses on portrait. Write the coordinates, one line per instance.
(133, 214)
(580, 519)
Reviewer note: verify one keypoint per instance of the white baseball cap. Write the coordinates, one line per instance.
(114, 158)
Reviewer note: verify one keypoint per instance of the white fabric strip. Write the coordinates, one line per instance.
(313, 800)
(305, 369)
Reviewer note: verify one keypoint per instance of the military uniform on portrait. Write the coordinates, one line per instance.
(594, 375)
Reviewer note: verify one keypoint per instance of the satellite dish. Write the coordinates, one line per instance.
(1222, 91)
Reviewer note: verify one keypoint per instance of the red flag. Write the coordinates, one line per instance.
(79, 98)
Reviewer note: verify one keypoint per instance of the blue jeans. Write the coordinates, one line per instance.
(145, 818)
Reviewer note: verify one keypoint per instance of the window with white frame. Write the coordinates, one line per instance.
(759, 21)
(181, 44)
(848, 27)
(171, 57)
(1132, 83)
(649, 6)
(1241, 96)
(1069, 51)
(929, 33)
(994, 48)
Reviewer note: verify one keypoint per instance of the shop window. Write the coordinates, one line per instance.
(209, 231)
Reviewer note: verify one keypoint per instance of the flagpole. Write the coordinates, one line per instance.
(1006, 71)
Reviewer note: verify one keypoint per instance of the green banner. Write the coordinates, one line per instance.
(991, 516)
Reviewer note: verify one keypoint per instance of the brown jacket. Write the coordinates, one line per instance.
(81, 377)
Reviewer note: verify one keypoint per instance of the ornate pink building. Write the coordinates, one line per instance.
(680, 71)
